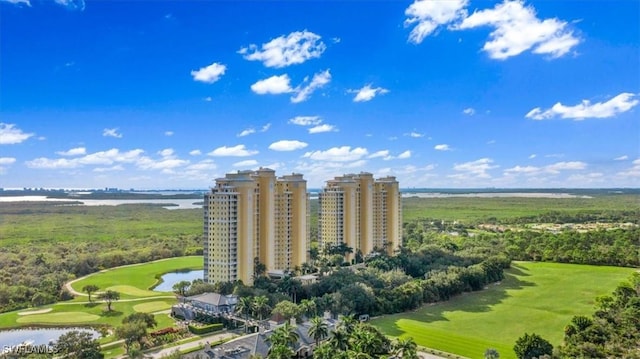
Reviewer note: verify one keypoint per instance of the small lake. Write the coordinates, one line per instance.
(169, 279)
(36, 336)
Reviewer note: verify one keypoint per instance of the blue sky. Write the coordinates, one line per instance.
(455, 93)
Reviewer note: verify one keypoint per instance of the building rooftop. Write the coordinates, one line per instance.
(258, 343)
(214, 299)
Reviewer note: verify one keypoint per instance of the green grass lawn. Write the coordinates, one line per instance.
(58, 318)
(90, 314)
(534, 297)
(136, 280)
(132, 281)
(150, 307)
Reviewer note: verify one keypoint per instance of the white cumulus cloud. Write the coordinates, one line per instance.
(404, 155)
(18, 2)
(78, 151)
(381, 153)
(4, 162)
(478, 167)
(209, 74)
(72, 4)
(195, 153)
(322, 128)
(319, 80)
(273, 85)
(633, 172)
(109, 169)
(615, 106)
(246, 132)
(427, 15)
(7, 160)
(517, 29)
(565, 166)
(104, 158)
(111, 132)
(367, 93)
(235, 151)
(295, 48)
(621, 158)
(11, 135)
(204, 165)
(287, 145)
(469, 111)
(442, 147)
(338, 154)
(414, 134)
(522, 170)
(305, 120)
(167, 152)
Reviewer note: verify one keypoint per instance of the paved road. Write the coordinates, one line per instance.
(158, 353)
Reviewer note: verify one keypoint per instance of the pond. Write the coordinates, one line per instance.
(169, 279)
(36, 336)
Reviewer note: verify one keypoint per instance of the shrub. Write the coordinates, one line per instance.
(203, 329)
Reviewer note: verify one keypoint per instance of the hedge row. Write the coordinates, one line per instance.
(203, 329)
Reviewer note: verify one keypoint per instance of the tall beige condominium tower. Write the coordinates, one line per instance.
(363, 213)
(253, 214)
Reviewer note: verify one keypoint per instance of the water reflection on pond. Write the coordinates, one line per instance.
(169, 279)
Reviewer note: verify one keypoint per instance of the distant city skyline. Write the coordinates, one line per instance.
(440, 94)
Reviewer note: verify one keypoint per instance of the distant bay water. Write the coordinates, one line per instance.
(166, 203)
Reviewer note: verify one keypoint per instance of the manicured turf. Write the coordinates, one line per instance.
(132, 291)
(135, 280)
(59, 318)
(534, 297)
(150, 307)
(91, 314)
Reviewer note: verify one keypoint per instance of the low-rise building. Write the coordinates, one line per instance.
(212, 304)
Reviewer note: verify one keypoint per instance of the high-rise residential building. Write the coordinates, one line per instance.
(362, 212)
(253, 214)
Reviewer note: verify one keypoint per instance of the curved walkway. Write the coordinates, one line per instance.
(121, 300)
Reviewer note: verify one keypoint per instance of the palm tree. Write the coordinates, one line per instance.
(284, 335)
(318, 330)
(405, 348)
(348, 323)
(260, 305)
(280, 351)
(324, 351)
(353, 354)
(308, 307)
(366, 339)
(244, 307)
(339, 340)
(363, 341)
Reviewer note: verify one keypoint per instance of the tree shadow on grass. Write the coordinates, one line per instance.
(517, 270)
(91, 305)
(474, 302)
(112, 313)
